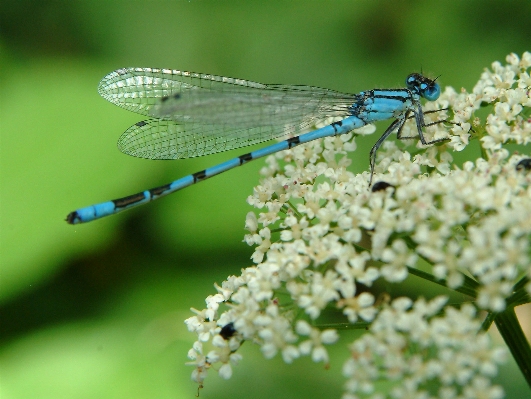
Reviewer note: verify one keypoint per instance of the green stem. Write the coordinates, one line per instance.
(469, 286)
(514, 337)
(520, 297)
(294, 209)
(521, 284)
(488, 321)
(467, 289)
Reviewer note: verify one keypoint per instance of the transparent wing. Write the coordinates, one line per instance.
(161, 139)
(140, 89)
(179, 95)
(209, 113)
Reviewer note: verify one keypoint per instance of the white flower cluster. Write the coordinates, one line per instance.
(322, 238)
(410, 345)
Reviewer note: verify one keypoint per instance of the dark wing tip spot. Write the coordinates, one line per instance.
(175, 96)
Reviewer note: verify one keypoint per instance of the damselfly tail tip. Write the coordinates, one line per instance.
(72, 218)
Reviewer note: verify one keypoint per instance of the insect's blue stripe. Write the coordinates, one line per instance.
(107, 208)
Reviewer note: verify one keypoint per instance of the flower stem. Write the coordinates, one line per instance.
(514, 337)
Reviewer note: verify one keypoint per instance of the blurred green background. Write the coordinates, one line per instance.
(97, 310)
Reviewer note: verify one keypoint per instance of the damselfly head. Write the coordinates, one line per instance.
(423, 86)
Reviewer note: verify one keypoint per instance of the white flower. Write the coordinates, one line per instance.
(321, 292)
(278, 336)
(413, 346)
(199, 362)
(317, 339)
(396, 259)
